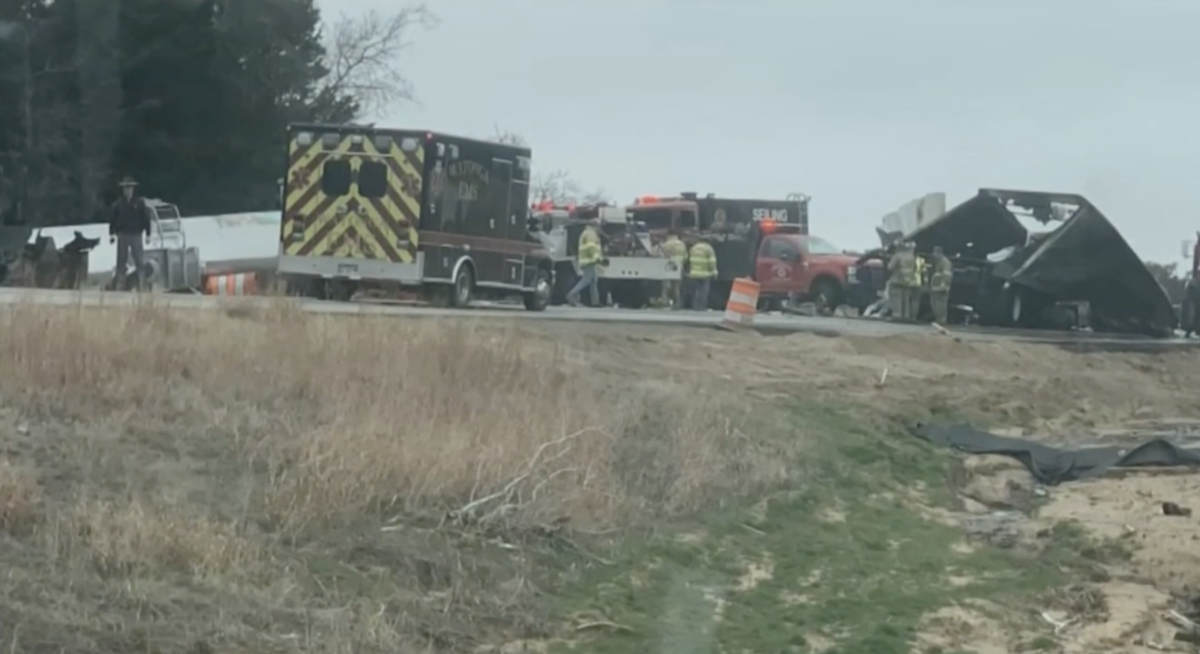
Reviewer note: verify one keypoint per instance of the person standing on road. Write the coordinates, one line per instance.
(902, 273)
(128, 224)
(920, 284)
(939, 285)
(590, 255)
(702, 269)
(677, 252)
(1190, 311)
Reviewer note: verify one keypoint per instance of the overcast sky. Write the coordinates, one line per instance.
(862, 104)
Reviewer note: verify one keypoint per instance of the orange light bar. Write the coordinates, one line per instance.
(646, 199)
(767, 226)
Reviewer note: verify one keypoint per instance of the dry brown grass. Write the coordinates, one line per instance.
(245, 451)
(20, 498)
(349, 415)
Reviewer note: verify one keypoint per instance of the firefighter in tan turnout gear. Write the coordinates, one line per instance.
(591, 254)
(674, 249)
(939, 285)
(903, 281)
(702, 270)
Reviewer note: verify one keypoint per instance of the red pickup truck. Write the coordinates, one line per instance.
(807, 268)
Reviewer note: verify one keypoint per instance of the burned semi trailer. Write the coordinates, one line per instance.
(1078, 273)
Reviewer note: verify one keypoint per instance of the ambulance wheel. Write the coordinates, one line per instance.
(564, 280)
(464, 287)
(340, 290)
(539, 298)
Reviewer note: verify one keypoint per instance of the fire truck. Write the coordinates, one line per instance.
(369, 209)
(632, 268)
(765, 240)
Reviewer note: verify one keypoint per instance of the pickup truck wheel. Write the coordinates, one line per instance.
(464, 287)
(827, 293)
(539, 298)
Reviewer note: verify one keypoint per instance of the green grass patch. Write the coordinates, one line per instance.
(842, 558)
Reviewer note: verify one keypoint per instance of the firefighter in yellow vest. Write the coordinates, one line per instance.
(677, 252)
(702, 270)
(902, 273)
(939, 285)
(920, 286)
(590, 255)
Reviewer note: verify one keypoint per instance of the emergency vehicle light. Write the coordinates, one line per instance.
(409, 144)
(646, 199)
(383, 144)
(356, 139)
(304, 138)
(767, 226)
(330, 140)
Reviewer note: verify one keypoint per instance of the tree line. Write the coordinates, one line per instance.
(190, 97)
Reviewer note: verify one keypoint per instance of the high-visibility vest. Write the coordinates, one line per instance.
(590, 252)
(702, 261)
(675, 250)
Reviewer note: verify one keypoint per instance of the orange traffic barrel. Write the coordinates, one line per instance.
(236, 284)
(742, 304)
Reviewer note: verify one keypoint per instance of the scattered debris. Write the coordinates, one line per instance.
(1171, 508)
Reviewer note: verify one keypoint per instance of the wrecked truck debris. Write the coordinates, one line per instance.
(1081, 273)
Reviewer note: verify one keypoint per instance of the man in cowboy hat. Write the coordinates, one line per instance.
(127, 226)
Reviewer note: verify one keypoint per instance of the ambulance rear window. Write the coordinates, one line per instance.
(335, 178)
(372, 179)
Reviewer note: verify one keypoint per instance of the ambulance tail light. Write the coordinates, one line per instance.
(298, 227)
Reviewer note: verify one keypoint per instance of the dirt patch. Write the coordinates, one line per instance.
(993, 482)
(1127, 508)
(1142, 560)
(756, 573)
(965, 628)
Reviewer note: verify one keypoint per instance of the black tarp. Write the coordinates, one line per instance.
(1051, 465)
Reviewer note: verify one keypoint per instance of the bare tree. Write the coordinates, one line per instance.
(363, 53)
(1168, 276)
(557, 186)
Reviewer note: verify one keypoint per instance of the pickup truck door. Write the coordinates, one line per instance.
(780, 268)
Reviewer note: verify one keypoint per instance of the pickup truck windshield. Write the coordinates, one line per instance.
(818, 245)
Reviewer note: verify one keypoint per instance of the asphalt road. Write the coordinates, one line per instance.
(770, 324)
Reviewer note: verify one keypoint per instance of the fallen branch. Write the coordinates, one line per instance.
(1057, 624)
(598, 624)
(509, 497)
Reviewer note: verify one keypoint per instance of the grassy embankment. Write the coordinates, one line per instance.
(272, 481)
